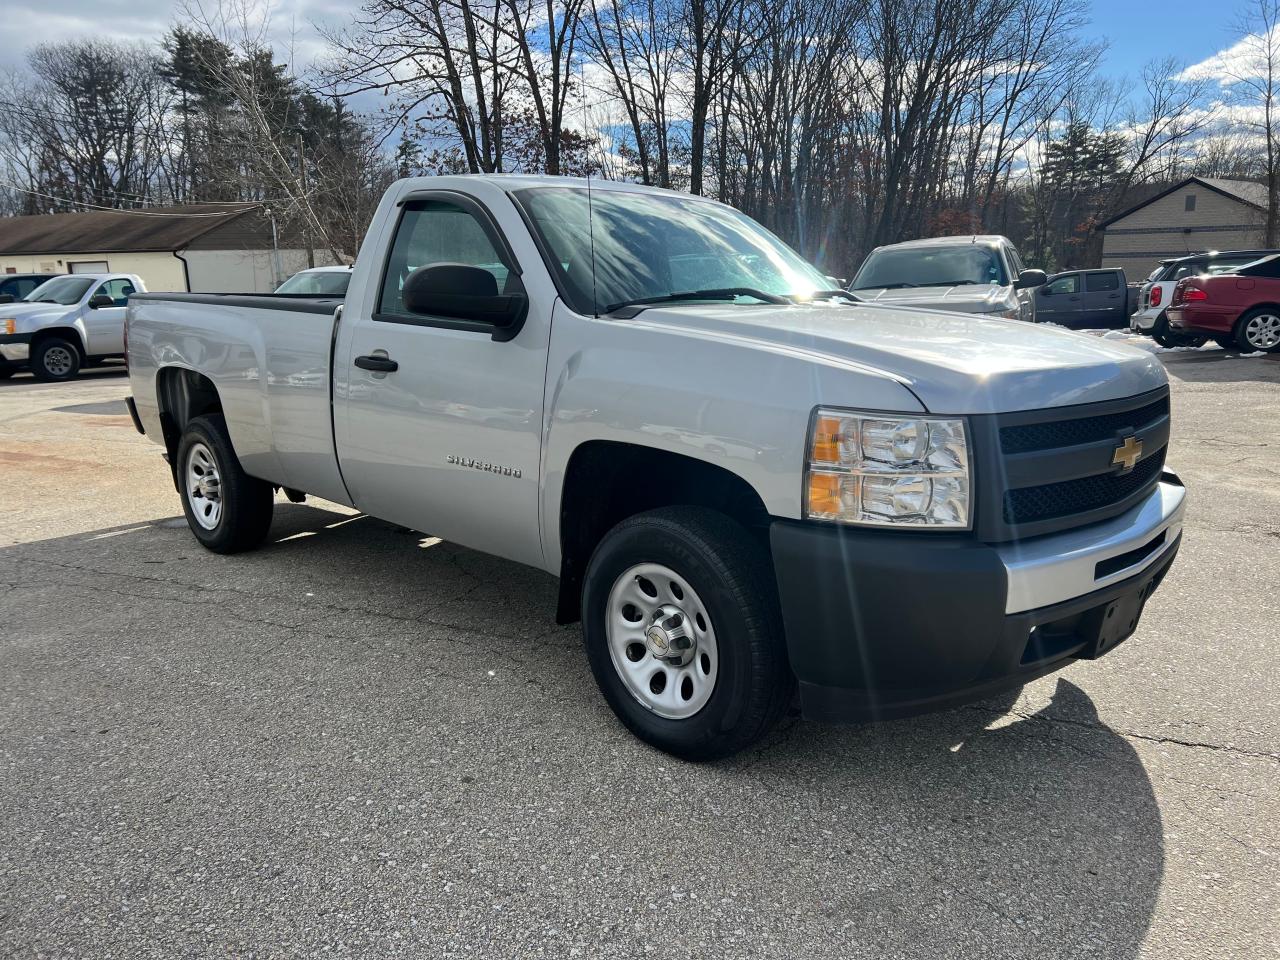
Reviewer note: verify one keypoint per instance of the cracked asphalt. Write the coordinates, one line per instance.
(360, 741)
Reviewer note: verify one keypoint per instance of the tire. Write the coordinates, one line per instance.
(7, 369)
(1166, 336)
(55, 360)
(231, 511)
(705, 567)
(1259, 330)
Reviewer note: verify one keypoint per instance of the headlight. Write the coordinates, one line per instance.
(884, 471)
(8, 325)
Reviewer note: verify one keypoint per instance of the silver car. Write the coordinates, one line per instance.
(969, 274)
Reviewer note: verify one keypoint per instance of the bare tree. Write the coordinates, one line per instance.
(1252, 69)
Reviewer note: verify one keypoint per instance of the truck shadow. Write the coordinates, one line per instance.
(1221, 366)
(1004, 829)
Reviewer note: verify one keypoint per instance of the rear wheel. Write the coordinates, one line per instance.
(54, 360)
(1166, 336)
(227, 510)
(1259, 330)
(684, 634)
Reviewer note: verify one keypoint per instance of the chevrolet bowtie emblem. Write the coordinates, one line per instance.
(1127, 454)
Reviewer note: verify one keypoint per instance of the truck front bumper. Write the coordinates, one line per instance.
(884, 625)
(15, 347)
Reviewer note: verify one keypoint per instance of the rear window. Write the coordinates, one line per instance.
(1266, 267)
(1093, 282)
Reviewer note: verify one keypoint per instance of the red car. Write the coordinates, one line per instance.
(1238, 309)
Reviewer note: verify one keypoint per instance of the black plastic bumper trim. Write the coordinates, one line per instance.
(133, 415)
(883, 626)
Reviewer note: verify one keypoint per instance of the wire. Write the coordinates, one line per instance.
(245, 204)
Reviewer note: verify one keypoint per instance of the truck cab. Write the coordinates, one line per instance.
(1084, 299)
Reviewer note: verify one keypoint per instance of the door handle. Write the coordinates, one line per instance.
(380, 364)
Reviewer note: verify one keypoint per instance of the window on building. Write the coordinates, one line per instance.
(1190, 201)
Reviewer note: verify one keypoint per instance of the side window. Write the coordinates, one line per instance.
(1095, 282)
(21, 288)
(436, 231)
(1015, 261)
(1191, 269)
(1228, 264)
(1067, 284)
(117, 290)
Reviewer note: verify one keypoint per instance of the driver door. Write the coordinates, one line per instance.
(448, 442)
(104, 327)
(1059, 301)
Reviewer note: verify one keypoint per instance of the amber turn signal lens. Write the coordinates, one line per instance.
(826, 440)
(824, 494)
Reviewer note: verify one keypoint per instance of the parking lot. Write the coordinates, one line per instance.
(367, 741)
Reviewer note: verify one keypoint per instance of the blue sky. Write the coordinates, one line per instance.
(1139, 31)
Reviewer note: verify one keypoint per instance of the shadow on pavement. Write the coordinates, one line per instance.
(108, 371)
(168, 699)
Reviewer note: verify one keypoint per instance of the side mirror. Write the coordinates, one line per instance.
(6, 298)
(458, 291)
(1030, 278)
(99, 300)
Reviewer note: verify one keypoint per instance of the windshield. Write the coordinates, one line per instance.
(649, 246)
(317, 283)
(941, 266)
(63, 290)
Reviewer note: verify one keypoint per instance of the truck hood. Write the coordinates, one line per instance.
(952, 362)
(963, 298)
(32, 316)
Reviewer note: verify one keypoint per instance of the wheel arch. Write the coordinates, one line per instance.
(607, 481)
(182, 395)
(64, 332)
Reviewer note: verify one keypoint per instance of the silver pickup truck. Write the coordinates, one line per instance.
(754, 490)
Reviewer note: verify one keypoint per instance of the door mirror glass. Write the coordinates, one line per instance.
(99, 300)
(1030, 278)
(462, 292)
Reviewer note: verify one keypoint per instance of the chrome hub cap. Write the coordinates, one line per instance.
(1263, 331)
(204, 486)
(57, 360)
(661, 641)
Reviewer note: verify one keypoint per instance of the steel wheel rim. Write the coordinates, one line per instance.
(641, 603)
(204, 486)
(1263, 331)
(57, 360)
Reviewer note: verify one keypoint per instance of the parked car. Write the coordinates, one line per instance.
(15, 286)
(1084, 299)
(970, 274)
(742, 488)
(1237, 309)
(1157, 292)
(66, 322)
(318, 282)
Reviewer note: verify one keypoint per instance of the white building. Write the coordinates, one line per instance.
(201, 248)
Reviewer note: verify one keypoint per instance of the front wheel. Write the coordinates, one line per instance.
(684, 634)
(55, 360)
(227, 510)
(1259, 330)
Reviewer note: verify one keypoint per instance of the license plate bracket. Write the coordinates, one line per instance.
(1112, 623)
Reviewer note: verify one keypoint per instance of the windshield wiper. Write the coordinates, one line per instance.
(888, 286)
(714, 293)
(831, 294)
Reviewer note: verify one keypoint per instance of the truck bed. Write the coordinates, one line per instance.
(269, 356)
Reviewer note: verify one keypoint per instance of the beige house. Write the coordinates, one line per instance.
(201, 248)
(1192, 216)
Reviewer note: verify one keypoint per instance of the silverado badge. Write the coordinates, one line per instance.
(1127, 454)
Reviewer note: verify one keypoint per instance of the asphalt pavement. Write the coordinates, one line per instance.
(361, 741)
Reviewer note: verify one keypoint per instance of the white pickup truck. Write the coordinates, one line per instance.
(753, 490)
(66, 323)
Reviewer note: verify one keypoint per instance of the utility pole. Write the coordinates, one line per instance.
(306, 220)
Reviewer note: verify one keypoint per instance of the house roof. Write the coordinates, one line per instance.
(1246, 191)
(162, 229)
